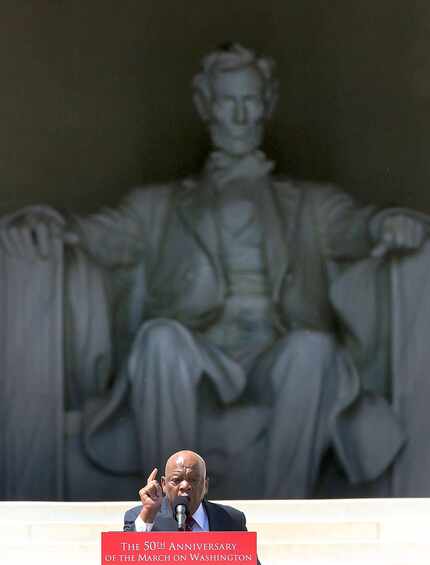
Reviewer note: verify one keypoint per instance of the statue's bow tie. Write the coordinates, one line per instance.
(223, 169)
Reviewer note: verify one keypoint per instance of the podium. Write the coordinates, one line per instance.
(187, 548)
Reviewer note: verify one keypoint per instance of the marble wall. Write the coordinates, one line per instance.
(95, 97)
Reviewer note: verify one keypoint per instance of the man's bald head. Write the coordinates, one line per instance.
(185, 475)
(186, 458)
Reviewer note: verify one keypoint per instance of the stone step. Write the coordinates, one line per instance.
(345, 554)
(367, 509)
(348, 532)
(31, 512)
(257, 511)
(393, 529)
(274, 533)
(270, 554)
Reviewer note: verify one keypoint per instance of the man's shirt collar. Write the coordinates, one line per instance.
(201, 518)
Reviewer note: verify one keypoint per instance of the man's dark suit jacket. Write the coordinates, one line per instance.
(221, 518)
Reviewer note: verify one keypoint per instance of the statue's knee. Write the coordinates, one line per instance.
(166, 347)
(159, 333)
(305, 356)
(157, 339)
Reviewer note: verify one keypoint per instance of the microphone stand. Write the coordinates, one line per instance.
(181, 505)
(181, 516)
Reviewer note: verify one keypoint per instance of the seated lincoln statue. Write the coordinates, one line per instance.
(205, 313)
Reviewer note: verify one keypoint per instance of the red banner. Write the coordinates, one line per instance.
(186, 548)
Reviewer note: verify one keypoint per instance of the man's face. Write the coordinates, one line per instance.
(237, 111)
(185, 476)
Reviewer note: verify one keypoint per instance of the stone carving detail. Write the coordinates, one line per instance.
(237, 313)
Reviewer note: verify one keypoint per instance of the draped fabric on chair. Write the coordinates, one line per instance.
(410, 282)
(408, 361)
(31, 377)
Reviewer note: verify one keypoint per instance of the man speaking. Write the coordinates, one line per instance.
(185, 477)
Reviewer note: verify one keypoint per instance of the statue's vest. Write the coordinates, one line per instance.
(247, 323)
(189, 276)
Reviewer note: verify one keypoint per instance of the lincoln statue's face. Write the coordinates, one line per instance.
(237, 111)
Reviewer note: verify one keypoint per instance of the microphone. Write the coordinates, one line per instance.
(181, 509)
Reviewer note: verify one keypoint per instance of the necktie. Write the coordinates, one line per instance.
(189, 523)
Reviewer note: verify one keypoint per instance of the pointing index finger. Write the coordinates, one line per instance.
(152, 475)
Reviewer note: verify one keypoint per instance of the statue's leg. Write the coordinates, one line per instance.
(303, 374)
(164, 369)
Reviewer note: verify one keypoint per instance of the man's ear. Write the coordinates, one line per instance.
(202, 104)
(206, 487)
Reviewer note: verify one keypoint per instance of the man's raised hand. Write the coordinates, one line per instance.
(151, 497)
